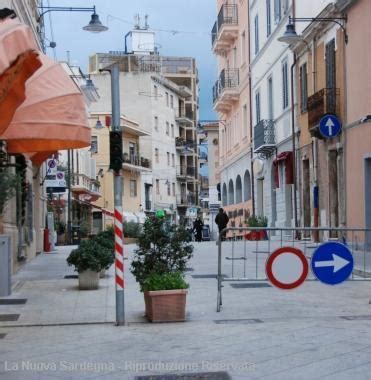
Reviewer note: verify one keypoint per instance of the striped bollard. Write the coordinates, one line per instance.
(119, 265)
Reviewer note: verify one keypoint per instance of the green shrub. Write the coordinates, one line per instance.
(165, 281)
(257, 221)
(162, 248)
(86, 256)
(8, 187)
(131, 229)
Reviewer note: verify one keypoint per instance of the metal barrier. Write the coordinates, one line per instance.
(247, 249)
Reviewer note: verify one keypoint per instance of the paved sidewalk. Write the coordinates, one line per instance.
(314, 332)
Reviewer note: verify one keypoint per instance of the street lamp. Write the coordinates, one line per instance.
(94, 26)
(290, 36)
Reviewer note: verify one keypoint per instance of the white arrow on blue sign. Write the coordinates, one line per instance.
(332, 263)
(329, 126)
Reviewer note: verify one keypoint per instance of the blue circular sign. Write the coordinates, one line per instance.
(329, 126)
(332, 263)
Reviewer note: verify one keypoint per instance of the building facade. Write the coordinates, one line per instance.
(231, 100)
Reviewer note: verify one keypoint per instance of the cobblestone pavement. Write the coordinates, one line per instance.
(314, 332)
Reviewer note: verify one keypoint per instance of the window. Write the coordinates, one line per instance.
(173, 189)
(167, 99)
(168, 188)
(245, 122)
(257, 106)
(168, 158)
(285, 86)
(243, 47)
(173, 160)
(303, 88)
(133, 188)
(155, 89)
(94, 144)
(277, 11)
(167, 128)
(172, 130)
(331, 77)
(269, 26)
(156, 156)
(171, 101)
(157, 186)
(256, 28)
(156, 123)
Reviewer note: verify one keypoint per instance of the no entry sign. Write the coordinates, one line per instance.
(287, 268)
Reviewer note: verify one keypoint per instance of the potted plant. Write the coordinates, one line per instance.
(87, 260)
(257, 221)
(131, 232)
(106, 255)
(159, 264)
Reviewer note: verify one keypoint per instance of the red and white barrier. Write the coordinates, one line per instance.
(119, 249)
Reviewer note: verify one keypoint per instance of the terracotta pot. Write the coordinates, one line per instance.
(165, 305)
(88, 280)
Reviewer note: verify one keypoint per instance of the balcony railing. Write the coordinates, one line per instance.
(184, 117)
(264, 137)
(225, 28)
(181, 142)
(226, 87)
(320, 103)
(185, 171)
(136, 160)
(186, 199)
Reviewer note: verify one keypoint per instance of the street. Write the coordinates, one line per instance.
(315, 331)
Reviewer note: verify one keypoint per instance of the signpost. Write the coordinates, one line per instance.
(329, 126)
(287, 268)
(332, 263)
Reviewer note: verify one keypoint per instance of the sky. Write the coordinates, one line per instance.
(184, 29)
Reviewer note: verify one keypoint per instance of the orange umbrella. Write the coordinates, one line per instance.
(38, 158)
(18, 61)
(53, 116)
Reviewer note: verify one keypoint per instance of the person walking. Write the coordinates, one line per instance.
(221, 220)
(197, 226)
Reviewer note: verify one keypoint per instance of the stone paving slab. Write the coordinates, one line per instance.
(302, 333)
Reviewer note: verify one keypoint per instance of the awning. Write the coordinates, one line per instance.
(284, 158)
(53, 116)
(18, 61)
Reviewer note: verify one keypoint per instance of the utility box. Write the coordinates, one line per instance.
(5, 266)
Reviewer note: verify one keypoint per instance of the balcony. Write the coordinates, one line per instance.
(184, 118)
(184, 172)
(226, 90)
(186, 200)
(135, 162)
(319, 104)
(85, 188)
(264, 138)
(225, 29)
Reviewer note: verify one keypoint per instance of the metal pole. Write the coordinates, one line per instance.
(69, 229)
(117, 189)
(294, 143)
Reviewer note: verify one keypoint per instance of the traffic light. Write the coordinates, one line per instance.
(116, 156)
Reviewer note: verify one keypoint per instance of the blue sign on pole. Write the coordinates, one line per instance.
(332, 263)
(329, 126)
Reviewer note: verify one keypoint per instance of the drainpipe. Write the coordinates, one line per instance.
(250, 117)
(315, 151)
(126, 46)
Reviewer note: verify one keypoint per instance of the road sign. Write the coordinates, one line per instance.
(52, 166)
(332, 263)
(287, 268)
(329, 126)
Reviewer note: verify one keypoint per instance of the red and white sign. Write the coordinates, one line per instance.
(287, 268)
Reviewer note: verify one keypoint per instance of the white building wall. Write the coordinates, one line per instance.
(265, 64)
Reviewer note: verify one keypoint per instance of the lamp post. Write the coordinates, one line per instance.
(289, 37)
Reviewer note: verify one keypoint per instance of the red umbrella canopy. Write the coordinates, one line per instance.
(18, 61)
(53, 116)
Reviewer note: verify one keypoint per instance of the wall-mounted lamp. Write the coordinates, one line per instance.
(290, 36)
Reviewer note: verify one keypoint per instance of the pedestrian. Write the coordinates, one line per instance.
(197, 227)
(221, 220)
